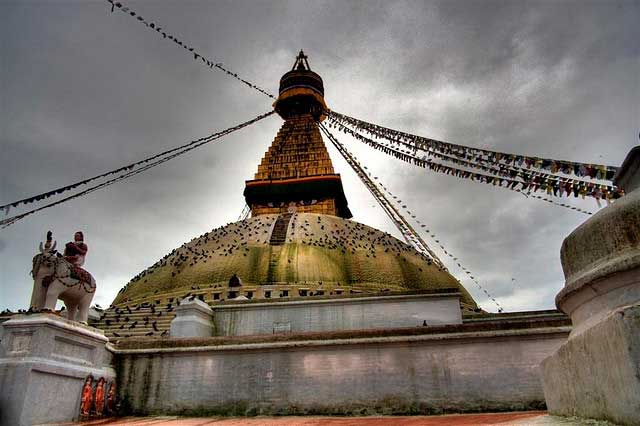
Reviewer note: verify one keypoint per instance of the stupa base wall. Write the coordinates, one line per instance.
(446, 372)
(337, 314)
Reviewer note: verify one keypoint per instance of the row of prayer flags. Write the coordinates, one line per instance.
(593, 171)
(520, 180)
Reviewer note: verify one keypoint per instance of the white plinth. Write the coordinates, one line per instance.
(194, 318)
(44, 360)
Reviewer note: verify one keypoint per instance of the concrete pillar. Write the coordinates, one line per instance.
(44, 361)
(194, 318)
(596, 373)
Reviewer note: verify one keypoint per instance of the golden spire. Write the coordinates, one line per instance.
(296, 173)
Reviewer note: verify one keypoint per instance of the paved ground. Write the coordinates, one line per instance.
(528, 418)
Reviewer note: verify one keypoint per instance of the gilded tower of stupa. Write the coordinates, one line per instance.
(296, 173)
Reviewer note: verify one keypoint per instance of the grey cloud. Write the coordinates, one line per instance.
(84, 91)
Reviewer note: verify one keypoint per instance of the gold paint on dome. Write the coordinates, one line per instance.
(321, 253)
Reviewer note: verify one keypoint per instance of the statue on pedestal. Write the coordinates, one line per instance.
(61, 277)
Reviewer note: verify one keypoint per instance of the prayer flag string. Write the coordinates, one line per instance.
(503, 182)
(128, 167)
(144, 165)
(407, 231)
(593, 171)
(532, 178)
(433, 236)
(411, 235)
(197, 56)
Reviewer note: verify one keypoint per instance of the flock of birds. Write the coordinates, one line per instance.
(228, 239)
(143, 319)
(149, 319)
(348, 237)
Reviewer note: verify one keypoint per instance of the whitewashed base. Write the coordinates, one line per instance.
(44, 360)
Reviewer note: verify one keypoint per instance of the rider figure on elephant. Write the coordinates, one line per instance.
(76, 250)
(57, 276)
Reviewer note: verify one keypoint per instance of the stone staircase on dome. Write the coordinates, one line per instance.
(279, 233)
(273, 263)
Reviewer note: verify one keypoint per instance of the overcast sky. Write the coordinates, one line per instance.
(84, 91)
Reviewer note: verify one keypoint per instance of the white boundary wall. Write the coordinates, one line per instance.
(471, 371)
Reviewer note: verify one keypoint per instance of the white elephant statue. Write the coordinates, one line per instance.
(55, 278)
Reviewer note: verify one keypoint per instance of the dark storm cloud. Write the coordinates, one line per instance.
(85, 91)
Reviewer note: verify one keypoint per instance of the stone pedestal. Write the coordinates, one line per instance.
(596, 373)
(44, 360)
(194, 318)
